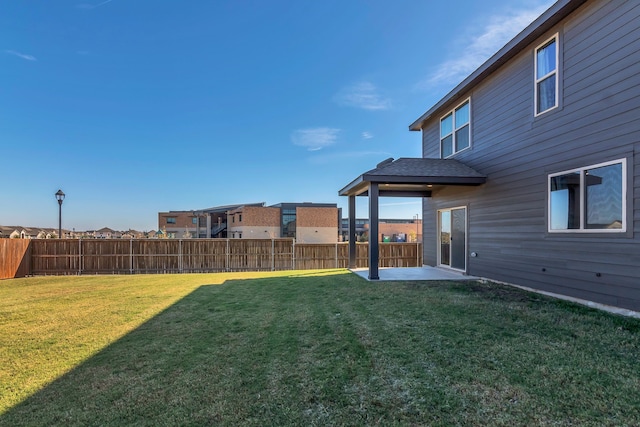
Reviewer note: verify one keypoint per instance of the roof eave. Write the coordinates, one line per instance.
(543, 23)
(449, 180)
(350, 188)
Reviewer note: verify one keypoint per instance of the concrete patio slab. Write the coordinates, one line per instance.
(413, 273)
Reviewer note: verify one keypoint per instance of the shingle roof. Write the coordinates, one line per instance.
(424, 168)
(417, 172)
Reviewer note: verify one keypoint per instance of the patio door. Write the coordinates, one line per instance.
(452, 238)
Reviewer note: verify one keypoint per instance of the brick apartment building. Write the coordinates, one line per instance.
(305, 222)
(201, 223)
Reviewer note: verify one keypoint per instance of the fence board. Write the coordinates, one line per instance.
(15, 256)
(118, 256)
(199, 255)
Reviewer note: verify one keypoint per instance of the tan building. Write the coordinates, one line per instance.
(253, 222)
(317, 225)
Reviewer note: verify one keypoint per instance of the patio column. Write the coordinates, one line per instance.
(352, 232)
(374, 245)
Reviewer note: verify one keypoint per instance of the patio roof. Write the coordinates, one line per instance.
(413, 177)
(404, 177)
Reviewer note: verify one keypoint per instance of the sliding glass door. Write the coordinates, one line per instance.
(452, 238)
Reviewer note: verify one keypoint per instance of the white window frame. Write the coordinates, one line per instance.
(554, 73)
(582, 229)
(455, 128)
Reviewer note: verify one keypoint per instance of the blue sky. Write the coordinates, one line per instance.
(133, 107)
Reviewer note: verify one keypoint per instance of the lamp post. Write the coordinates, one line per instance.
(60, 197)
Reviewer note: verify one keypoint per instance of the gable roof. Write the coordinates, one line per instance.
(413, 176)
(557, 12)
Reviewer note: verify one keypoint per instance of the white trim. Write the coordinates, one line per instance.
(452, 112)
(537, 80)
(582, 229)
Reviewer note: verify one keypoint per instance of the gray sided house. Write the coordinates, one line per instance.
(548, 130)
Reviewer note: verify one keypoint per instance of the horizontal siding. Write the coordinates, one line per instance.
(598, 120)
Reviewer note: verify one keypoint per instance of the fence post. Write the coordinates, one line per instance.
(273, 255)
(336, 254)
(226, 266)
(79, 256)
(293, 254)
(131, 256)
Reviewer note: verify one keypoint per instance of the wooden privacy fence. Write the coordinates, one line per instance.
(116, 256)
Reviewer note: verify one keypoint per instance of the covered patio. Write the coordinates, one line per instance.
(404, 177)
(393, 274)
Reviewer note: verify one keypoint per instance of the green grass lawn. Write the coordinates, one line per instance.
(307, 348)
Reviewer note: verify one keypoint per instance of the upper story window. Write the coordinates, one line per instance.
(455, 133)
(589, 199)
(546, 70)
(194, 220)
(171, 220)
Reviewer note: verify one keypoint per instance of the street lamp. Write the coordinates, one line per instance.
(60, 197)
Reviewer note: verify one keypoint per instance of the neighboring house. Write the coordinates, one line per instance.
(5, 231)
(531, 166)
(151, 234)
(107, 233)
(52, 233)
(18, 232)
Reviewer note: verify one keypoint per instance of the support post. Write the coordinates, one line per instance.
(352, 232)
(374, 245)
